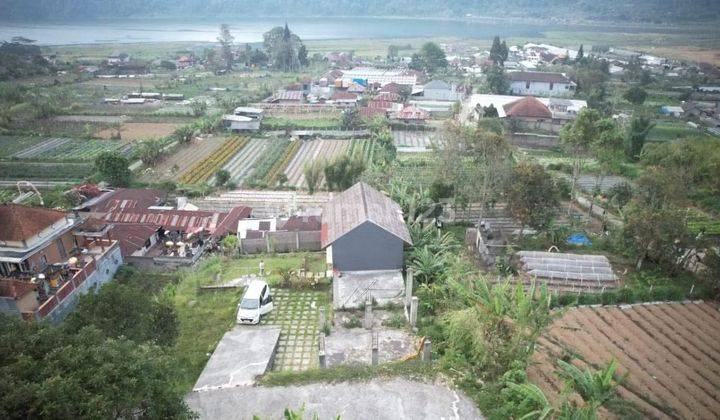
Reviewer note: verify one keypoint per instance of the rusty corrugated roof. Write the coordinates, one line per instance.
(359, 204)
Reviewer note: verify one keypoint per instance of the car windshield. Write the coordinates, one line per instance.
(250, 304)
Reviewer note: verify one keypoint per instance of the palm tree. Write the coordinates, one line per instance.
(428, 266)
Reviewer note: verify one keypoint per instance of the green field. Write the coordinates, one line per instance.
(672, 130)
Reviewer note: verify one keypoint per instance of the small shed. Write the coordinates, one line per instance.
(362, 229)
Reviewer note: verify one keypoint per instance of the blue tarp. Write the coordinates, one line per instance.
(578, 239)
(361, 82)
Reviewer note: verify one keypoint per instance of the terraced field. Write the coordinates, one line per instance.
(205, 169)
(173, 167)
(414, 141)
(366, 147)
(671, 352)
(310, 151)
(17, 170)
(76, 149)
(11, 145)
(243, 163)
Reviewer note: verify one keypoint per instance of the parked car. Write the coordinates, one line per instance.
(256, 301)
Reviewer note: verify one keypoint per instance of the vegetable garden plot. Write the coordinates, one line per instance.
(364, 147)
(670, 350)
(174, 166)
(206, 168)
(45, 171)
(415, 140)
(12, 145)
(264, 165)
(242, 164)
(308, 152)
(76, 149)
(42, 147)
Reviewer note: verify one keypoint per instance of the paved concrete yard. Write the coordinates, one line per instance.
(296, 313)
(354, 346)
(392, 399)
(351, 290)
(242, 354)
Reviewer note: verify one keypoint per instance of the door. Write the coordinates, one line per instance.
(266, 303)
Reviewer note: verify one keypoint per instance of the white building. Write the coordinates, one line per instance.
(439, 90)
(540, 84)
(368, 75)
(244, 118)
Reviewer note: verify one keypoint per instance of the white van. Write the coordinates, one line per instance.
(255, 302)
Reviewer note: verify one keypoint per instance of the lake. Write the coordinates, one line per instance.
(251, 29)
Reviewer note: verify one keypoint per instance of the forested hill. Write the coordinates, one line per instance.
(652, 11)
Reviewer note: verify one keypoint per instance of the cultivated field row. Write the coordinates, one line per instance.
(671, 352)
(310, 151)
(242, 164)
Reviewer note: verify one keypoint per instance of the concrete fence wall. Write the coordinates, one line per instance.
(282, 242)
(534, 141)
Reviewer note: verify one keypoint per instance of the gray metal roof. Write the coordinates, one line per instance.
(438, 84)
(359, 204)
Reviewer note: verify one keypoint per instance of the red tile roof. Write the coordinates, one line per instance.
(370, 113)
(527, 107)
(23, 222)
(128, 199)
(392, 88)
(380, 104)
(132, 237)
(413, 113)
(343, 96)
(216, 223)
(302, 223)
(389, 96)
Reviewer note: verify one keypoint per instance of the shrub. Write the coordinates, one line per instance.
(352, 322)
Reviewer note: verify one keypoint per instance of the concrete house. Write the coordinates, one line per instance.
(47, 261)
(244, 119)
(362, 229)
(439, 90)
(540, 84)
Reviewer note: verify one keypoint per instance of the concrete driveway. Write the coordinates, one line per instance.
(391, 399)
(242, 354)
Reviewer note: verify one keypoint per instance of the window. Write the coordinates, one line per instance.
(264, 226)
(527, 85)
(551, 85)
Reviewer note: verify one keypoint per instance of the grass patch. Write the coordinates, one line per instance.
(410, 370)
(206, 317)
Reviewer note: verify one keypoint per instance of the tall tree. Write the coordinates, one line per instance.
(226, 41)
(532, 196)
(635, 95)
(584, 135)
(580, 53)
(496, 80)
(640, 126)
(283, 48)
(429, 59)
(113, 168)
(476, 161)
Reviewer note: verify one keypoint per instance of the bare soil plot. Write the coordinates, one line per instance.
(670, 350)
(139, 131)
(310, 151)
(135, 82)
(242, 164)
(174, 166)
